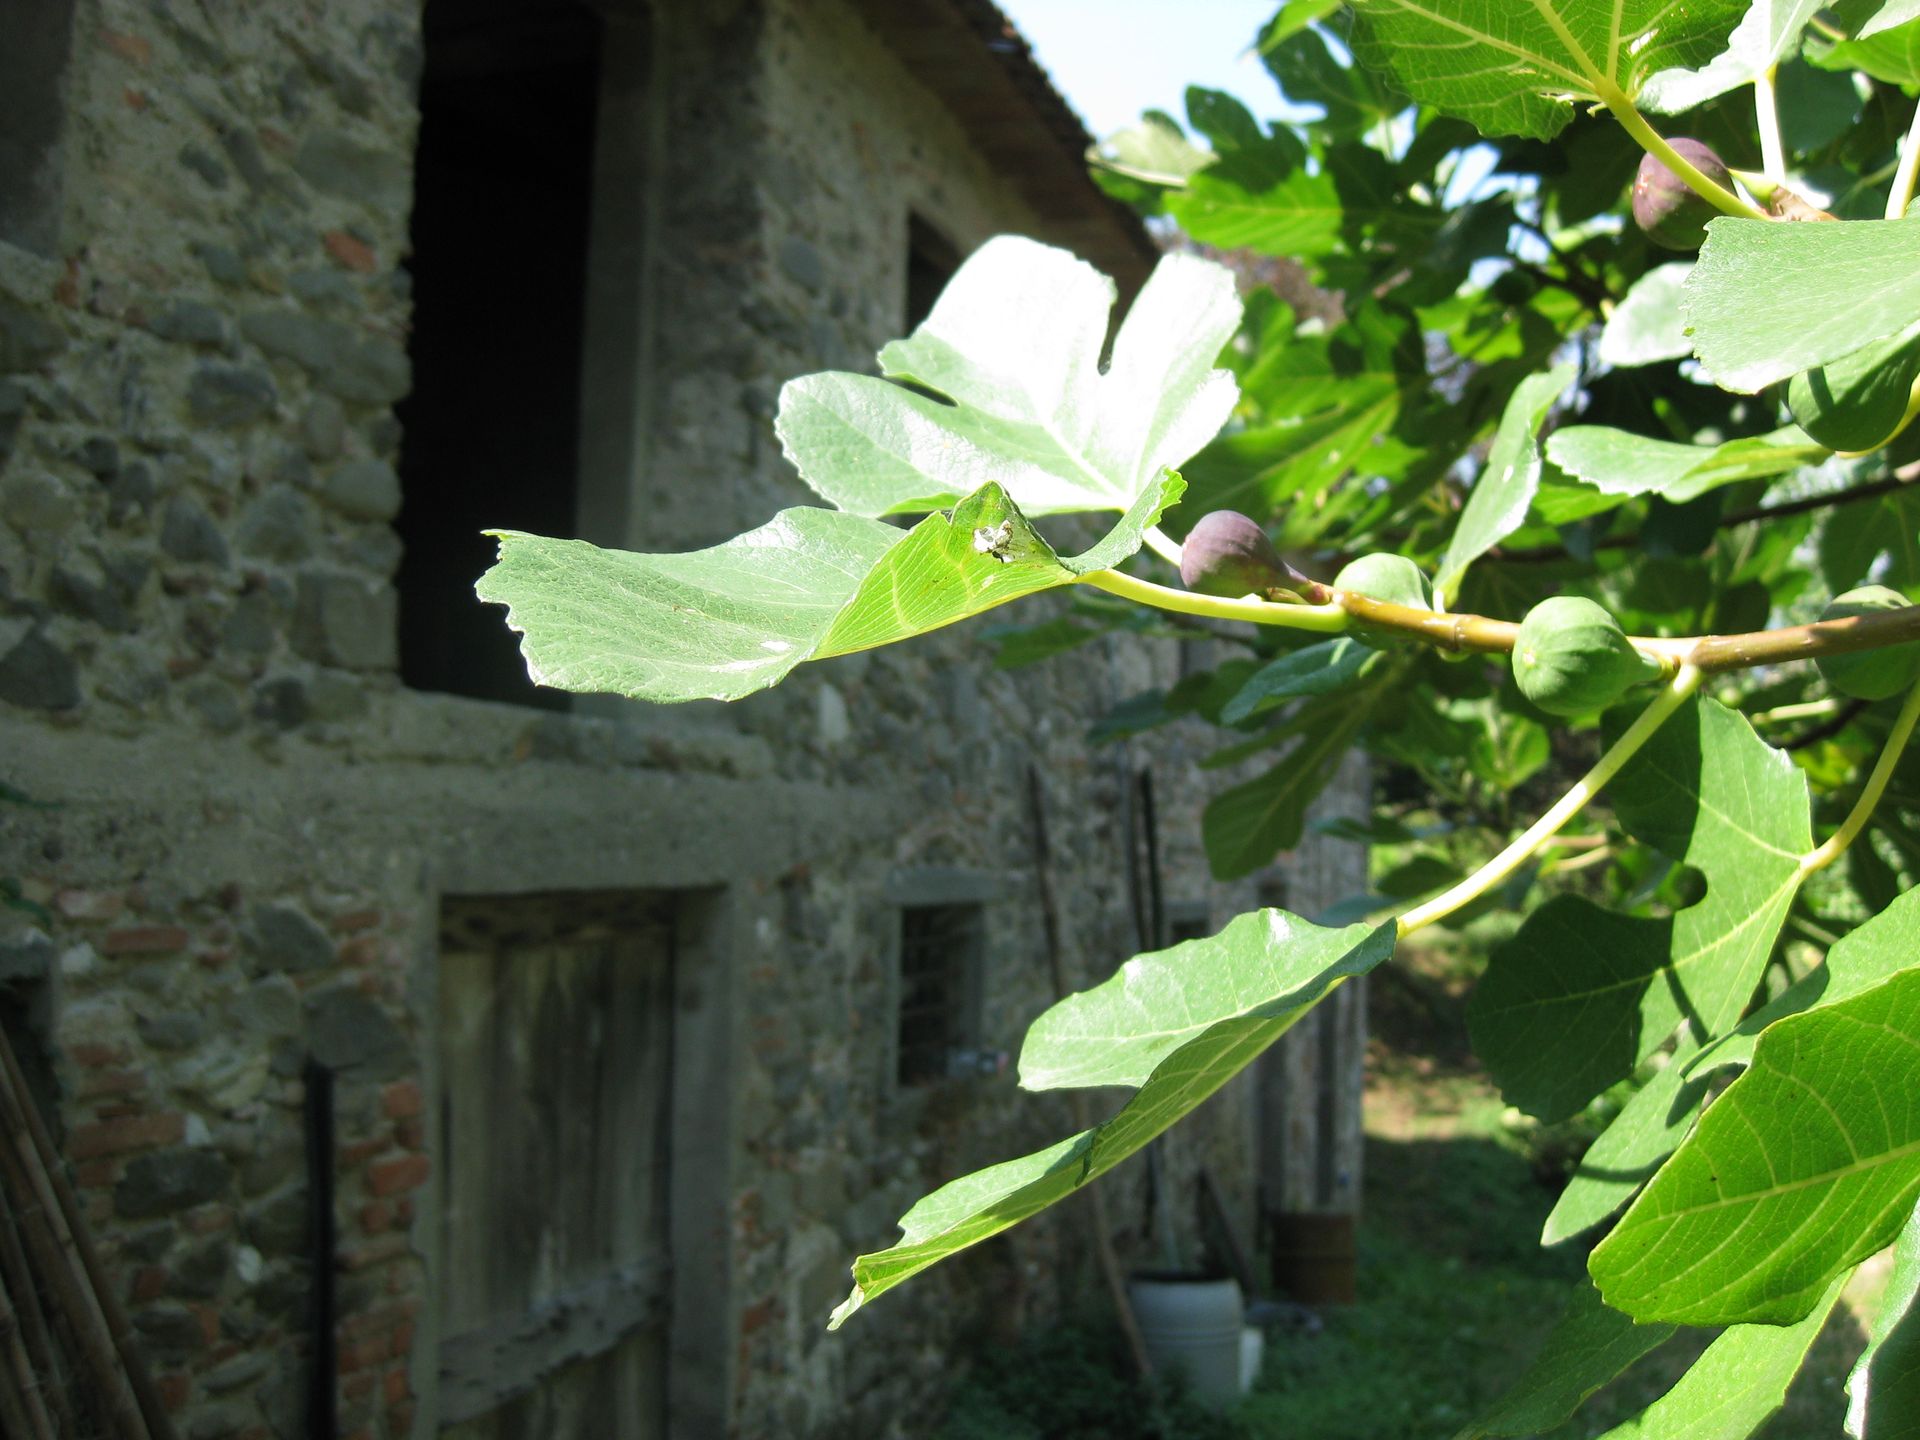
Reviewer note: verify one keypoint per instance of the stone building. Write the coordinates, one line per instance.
(434, 1055)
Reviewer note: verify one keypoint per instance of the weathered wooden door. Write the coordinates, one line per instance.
(555, 1072)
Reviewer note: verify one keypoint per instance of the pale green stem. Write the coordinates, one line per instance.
(1773, 153)
(1825, 854)
(1327, 619)
(1805, 710)
(1635, 124)
(1569, 805)
(1163, 545)
(1901, 195)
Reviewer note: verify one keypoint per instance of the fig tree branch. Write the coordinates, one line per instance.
(1711, 654)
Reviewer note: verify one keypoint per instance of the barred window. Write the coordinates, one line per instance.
(941, 952)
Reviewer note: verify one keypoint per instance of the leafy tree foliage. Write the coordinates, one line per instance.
(1491, 389)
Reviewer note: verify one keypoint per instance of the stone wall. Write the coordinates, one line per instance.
(253, 821)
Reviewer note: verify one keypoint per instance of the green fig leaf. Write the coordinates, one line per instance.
(1816, 1147)
(1244, 1020)
(1739, 1381)
(1581, 995)
(1851, 284)
(1883, 1392)
(1616, 462)
(1014, 343)
(1519, 69)
(719, 624)
(1505, 487)
(1588, 1346)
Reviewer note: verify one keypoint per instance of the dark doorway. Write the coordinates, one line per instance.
(503, 186)
(931, 261)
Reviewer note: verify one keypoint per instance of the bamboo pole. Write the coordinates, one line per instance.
(21, 1412)
(41, 1350)
(152, 1409)
(50, 1241)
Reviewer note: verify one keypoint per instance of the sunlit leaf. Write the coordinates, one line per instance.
(1768, 32)
(1816, 1147)
(721, 623)
(1646, 325)
(1265, 962)
(1519, 69)
(1505, 487)
(1653, 1123)
(1850, 285)
(1015, 344)
(1616, 462)
(985, 1203)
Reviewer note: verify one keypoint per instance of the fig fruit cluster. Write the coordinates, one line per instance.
(1571, 657)
(1666, 208)
(1869, 674)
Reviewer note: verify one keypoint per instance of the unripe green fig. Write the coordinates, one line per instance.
(1571, 657)
(1869, 674)
(1392, 578)
(1665, 207)
(1226, 553)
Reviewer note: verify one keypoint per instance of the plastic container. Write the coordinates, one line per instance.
(1194, 1324)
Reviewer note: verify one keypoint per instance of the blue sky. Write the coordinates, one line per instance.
(1114, 58)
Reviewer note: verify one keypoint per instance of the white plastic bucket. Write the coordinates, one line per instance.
(1194, 1325)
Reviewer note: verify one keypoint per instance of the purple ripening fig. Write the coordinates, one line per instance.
(1665, 207)
(1228, 554)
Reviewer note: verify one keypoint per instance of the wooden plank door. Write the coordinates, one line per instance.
(555, 1075)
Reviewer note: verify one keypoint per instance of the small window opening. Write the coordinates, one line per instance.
(941, 953)
(33, 66)
(503, 186)
(931, 261)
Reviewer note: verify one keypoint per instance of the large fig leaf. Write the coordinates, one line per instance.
(721, 623)
(1505, 488)
(983, 1204)
(1653, 1123)
(1263, 962)
(1587, 1347)
(1518, 67)
(1883, 1392)
(1739, 1381)
(1807, 1164)
(1581, 995)
(1847, 285)
(1013, 345)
